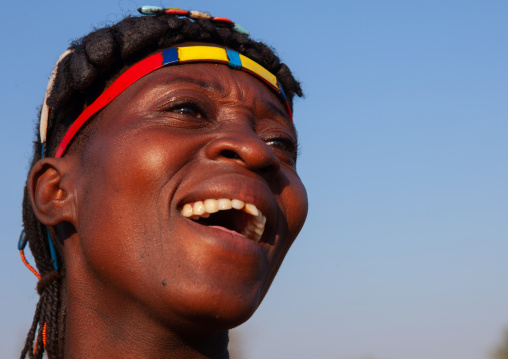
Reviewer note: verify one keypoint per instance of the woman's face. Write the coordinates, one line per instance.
(184, 134)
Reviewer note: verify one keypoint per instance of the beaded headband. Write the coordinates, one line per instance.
(171, 56)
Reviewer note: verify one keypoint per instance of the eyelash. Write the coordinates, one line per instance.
(187, 107)
(285, 145)
(187, 111)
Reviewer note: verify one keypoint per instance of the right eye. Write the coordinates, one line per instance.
(187, 111)
(184, 108)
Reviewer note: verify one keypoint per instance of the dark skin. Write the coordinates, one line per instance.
(142, 280)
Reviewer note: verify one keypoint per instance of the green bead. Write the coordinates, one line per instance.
(240, 29)
(150, 10)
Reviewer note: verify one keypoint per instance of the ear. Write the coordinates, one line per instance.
(51, 187)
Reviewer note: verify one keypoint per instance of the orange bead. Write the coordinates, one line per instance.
(28, 265)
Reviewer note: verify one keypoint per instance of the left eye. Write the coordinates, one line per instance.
(285, 148)
(280, 144)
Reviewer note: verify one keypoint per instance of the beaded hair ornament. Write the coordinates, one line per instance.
(169, 57)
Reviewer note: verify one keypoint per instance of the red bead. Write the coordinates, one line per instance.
(177, 12)
(223, 19)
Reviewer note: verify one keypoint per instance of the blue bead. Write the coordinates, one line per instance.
(282, 94)
(22, 240)
(52, 251)
(234, 59)
(170, 56)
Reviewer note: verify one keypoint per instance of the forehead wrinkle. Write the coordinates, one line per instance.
(215, 86)
(280, 114)
(240, 90)
(263, 102)
(272, 107)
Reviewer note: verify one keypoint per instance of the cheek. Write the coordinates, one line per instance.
(122, 207)
(296, 204)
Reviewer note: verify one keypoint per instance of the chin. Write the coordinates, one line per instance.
(214, 310)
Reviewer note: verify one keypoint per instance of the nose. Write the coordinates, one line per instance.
(246, 149)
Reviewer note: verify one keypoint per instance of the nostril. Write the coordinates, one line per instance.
(247, 151)
(229, 154)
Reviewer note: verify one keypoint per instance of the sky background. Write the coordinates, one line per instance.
(403, 132)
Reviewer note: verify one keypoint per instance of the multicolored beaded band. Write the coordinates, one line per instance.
(195, 15)
(171, 56)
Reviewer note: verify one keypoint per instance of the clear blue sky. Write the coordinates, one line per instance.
(404, 154)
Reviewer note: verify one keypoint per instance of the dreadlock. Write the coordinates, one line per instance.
(94, 62)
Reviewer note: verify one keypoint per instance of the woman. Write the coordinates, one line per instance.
(163, 193)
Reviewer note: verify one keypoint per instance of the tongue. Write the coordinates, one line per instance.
(226, 230)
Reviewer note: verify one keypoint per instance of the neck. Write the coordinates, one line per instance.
(114, 326)
(89, 334)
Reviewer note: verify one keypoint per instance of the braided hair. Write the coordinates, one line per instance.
(93, 63)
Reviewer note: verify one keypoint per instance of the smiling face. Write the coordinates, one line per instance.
(188, 198)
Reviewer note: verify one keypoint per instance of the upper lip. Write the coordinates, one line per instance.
(234, 186)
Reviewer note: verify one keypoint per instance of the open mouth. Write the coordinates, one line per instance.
(231, 214)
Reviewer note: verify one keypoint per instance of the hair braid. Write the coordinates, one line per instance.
(97, 60)
(39, 346)
(29, 343)
(52, 318)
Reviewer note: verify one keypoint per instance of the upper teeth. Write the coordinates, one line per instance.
(254, 228)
